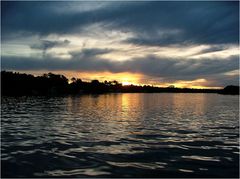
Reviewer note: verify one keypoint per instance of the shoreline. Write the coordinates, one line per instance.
(21, 84)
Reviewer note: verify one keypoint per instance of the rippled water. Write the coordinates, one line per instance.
(120, 135)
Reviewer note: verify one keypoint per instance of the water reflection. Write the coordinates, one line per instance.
(121, 135)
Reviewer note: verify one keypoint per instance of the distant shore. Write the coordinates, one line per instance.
(19, 84)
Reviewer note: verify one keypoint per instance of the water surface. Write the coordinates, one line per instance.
(120, 135)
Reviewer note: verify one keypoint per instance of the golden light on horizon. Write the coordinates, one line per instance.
(127, 78)
(197, 84)
(125, 83)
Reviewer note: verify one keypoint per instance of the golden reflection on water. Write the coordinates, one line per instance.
(194, 103)
(130, 105)
(138, 131)
(115, 117)
(121, 115)
(105, 108)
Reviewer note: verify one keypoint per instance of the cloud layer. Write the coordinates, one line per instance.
(156, 39)
(155, 23)
(170, 69)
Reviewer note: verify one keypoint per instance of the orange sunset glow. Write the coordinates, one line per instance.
(119, 89)
(127, 78)
(151, 50)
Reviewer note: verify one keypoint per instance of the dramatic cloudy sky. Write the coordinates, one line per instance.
(187, 44)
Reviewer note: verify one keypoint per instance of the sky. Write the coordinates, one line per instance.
(185, 44)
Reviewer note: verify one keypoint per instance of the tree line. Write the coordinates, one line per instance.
(18, 84)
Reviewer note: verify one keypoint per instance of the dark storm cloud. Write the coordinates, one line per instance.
(180, 69)
(175, 69)
(87, 53)
(47, 44)
(195, 22)
(223, 80)
(80, 63)
(40, 18)
(185, 23)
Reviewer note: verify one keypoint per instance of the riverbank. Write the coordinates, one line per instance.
(17, 84)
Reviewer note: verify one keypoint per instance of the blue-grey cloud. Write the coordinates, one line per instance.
(89, 52)
(162, 23)
(39, 18)
(47, 44)
(224, 80)
(212, 49)
(171, 69)
(197, 22)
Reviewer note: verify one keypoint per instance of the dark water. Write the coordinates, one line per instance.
(120, 135)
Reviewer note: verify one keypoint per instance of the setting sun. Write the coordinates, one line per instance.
(102, 89)
(125, 83)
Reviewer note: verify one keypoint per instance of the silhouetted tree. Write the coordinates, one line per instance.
(73, 80)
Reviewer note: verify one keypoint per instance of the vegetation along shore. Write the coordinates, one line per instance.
(19, 84)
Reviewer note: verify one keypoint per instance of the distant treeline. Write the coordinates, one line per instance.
(17, 84)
